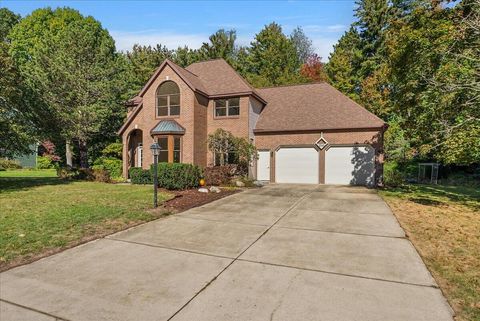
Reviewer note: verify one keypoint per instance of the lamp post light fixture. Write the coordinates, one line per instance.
(155, 148)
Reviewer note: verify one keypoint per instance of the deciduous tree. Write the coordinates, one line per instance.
(69, 61)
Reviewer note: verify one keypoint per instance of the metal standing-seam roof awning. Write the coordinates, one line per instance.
(167, 127)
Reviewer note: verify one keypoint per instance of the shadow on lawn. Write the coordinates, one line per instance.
(10, 184)
(436, 195)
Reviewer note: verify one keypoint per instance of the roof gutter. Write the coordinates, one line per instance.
(316, 130)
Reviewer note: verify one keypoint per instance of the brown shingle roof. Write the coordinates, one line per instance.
(219, 77)
(190, 79)
(312, 107)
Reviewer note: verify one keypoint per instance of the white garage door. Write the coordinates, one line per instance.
(296, 165)
(350, 165)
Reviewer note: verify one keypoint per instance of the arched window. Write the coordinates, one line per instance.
(168, 99)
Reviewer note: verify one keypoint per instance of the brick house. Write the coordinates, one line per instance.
(307, 133)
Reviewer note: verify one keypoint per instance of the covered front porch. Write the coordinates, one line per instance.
(136, 145)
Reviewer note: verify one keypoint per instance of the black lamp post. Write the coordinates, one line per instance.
(155, 148)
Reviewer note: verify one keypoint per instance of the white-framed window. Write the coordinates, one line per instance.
(227, 107)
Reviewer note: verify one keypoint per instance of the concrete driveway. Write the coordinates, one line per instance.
(282, 252)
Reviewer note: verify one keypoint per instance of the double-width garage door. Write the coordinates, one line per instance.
(343, 165)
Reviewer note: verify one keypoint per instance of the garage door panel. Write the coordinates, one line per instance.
(296, 165)
(350, 165)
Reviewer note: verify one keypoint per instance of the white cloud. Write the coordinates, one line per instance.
(125, 40)
(323, 46)
(336, 28)
(322, 28)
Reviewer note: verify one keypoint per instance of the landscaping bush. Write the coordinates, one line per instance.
(219, 175)
(392, 176)
(101, 175)
(86, 174)
(177, 176)
(9, 164)
(113, 150)
(139, 175)
(174, 176)
(66, 172)
(44, 162)
(110, 164)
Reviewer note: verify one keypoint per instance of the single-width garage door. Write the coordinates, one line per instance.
(296, 165)
(350, 165)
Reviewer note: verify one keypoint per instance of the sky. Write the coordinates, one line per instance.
(190, 23)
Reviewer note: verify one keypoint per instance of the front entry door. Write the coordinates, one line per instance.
(263, 166)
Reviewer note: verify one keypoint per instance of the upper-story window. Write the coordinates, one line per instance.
(227, 107)
(168, 99)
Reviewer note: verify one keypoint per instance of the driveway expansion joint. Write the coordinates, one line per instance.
(238, 256)
(337, 232)
(57, 318)
(170, 248)
(340, 274)
(219, 221)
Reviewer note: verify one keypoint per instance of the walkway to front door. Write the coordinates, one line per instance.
(282, 252)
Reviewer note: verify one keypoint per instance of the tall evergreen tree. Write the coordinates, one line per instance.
(221, 45)
(142, 62)
(343, 67)
(272, 58)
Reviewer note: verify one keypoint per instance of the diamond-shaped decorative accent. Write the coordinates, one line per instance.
(321, 143)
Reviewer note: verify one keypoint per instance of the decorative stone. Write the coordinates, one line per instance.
(321, 143)
(240, 184)
(214, 189)
(203, 190)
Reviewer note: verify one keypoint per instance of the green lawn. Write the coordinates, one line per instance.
(41, 214)
(443, 222)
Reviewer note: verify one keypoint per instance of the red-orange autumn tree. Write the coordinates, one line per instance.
(312, 69)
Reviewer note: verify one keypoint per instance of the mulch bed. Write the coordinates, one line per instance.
(184, 200)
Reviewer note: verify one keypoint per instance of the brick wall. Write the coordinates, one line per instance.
(237, 125)
(146, 119)
(200, 130)
(334, 137)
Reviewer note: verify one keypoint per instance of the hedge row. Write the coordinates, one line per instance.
(170, 175)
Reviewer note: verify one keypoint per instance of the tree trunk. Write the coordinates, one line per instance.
(222, 159)
(68, 153)
(82, 147)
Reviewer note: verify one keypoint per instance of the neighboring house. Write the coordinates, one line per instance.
(27, 160)
(309, 133)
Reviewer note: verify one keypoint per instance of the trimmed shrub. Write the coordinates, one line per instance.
(9, 164)
(44, 162)
(110, 164)
(139, 175)
(219, 175)
(177, 176)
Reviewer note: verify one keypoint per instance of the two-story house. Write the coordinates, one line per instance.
(309, 133)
